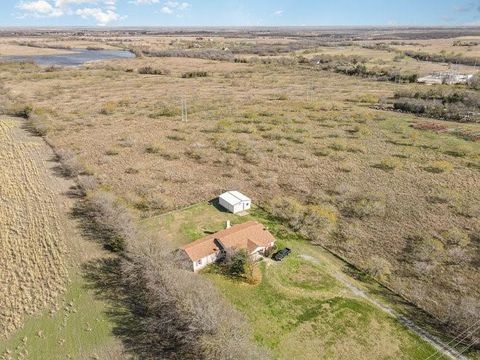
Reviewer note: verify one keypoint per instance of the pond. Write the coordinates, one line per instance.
(75, 57)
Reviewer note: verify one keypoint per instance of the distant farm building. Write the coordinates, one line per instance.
(251, 236)
(235, 202)
(449, 78)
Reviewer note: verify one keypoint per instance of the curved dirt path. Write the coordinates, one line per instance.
(438, 344)
(32, 266)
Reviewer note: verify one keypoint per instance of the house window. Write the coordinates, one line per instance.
(199, 262)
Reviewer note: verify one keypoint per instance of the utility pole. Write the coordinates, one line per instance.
(184, 110)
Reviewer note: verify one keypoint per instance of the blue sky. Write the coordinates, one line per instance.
(238, 13)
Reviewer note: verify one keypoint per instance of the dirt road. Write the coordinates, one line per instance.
(439, 345)
(32, 265)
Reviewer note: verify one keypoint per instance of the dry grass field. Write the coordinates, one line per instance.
(32, 259)
(406, 196)
(12, 50)
(46, 311)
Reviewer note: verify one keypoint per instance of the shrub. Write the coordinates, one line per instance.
(20, 110)
(132, 171)
(440, 103)
(195, 153)
(194, 74)
(322, 152)
(367, 98)
(364, 205)
(290, 210)
(427, 248)
(443, 58)
(388, 164)
(167, 110)
(466, 208)
(108, 108)
(462, 313)
(126, 142)
(237, 262)
(379, 268)
(87, 184)
(281, 97)
(112, 152)
(153, 202)
(313, 221)
(458, 151)
(148, 70)
(338, 146)
(111, 222)
(176, 137)
(438, 167)
(153, 149)
(455, 236)
(37, 124)
(72, 166)
(318, 221)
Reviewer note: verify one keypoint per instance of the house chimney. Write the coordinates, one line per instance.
(228, 225)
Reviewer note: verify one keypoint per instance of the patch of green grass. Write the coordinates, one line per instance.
(191, 231)
(76, 329)
(306, 276)
(280, 312)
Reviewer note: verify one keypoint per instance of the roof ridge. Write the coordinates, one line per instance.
(232, 192)
(223, 232)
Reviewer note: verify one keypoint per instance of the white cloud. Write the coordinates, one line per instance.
(144, 2)
(278, 13)
(39, 8)
(166, 10)
(102, 17)
(172, 6)
(65, 3)
(103, 11)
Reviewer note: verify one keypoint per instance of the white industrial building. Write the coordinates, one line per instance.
(449, 78)
(235, 202)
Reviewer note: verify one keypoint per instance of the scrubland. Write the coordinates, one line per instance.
(387, 191)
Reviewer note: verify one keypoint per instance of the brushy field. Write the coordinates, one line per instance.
(299, 310)
(396, 200)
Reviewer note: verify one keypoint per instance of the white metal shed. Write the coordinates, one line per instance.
(235, 202)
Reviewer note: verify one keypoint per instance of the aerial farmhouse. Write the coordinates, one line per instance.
(251, 236)
(235, 202)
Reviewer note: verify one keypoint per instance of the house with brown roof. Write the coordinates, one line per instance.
(251, 236)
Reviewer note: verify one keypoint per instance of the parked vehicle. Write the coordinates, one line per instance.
(279, 255)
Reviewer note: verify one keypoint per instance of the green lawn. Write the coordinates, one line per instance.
(77, 329)
(299, 310)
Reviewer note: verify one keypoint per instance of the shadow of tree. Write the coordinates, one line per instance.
(124, 306)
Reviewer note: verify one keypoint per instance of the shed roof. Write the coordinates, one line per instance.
(234, 197)
(249, 236)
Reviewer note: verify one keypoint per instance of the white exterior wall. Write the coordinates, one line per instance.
(205, 262)
(246, 205)
(241, 206)
(226, 205)
(238, 208)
